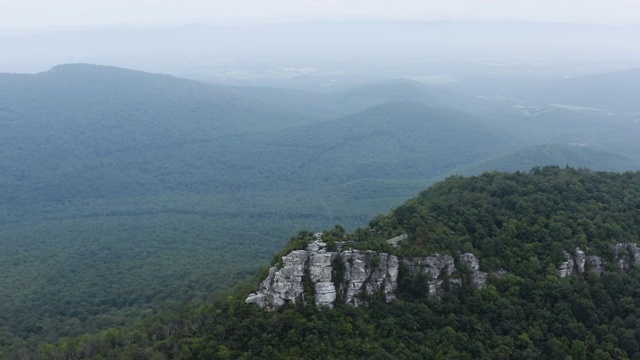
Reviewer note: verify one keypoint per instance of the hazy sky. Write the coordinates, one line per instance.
(43, 13)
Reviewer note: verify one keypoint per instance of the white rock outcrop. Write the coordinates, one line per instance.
(436, 267)
(320, 271)
(477, 278)
(366, 272)
(362, 274)
(634, 250)
(594, 264)
(580, 262)
(396, 240)
(369, 271)
(579, 258)
(283, 285)
(627, 253)
(566, 268)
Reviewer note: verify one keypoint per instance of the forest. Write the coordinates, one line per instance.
(521, 222)
(129, 196)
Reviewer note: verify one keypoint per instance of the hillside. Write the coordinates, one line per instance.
(340, 102)
(90, 91)
(523, 227)
(125, 191)
(397, 140)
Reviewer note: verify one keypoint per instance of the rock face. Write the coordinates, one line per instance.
(353, 275)
(284, 285)
(627, 253)
(369, 271)
(594, 264)
(320, 274)
(436, 267)
(566, 268)
(635, 252)
(580, 262)
(396, 240)
(478, 278)
(579, 258)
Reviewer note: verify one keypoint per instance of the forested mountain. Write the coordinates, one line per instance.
(125, 192)
(340, 102)
(397, 140)
(523, 227)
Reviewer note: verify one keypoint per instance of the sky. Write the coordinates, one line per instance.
(57, 13)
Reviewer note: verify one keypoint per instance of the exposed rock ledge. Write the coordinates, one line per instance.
(349, 274)
(580, 262)
(627, 253)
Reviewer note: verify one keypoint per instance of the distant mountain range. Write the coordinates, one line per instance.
(616, 91)
(329, 52)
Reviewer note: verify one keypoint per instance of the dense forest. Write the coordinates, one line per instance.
(520, 222)
(125, 194)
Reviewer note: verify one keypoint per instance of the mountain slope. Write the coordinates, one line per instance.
(108, 194)
(91, 123)
(522, 224)
(124, 190)
(115, 96)
(400, 140)
(341, 102)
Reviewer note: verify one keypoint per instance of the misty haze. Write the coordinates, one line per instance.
(319, 179)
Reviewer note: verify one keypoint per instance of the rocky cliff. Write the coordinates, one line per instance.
(627, 253)
(579, 261)
(352, 275)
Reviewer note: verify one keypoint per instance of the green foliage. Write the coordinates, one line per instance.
(489, 323)
(529, 313)
(125, 194)
(521, 222)
(125, 191)
(338, 267)
(298, 242)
